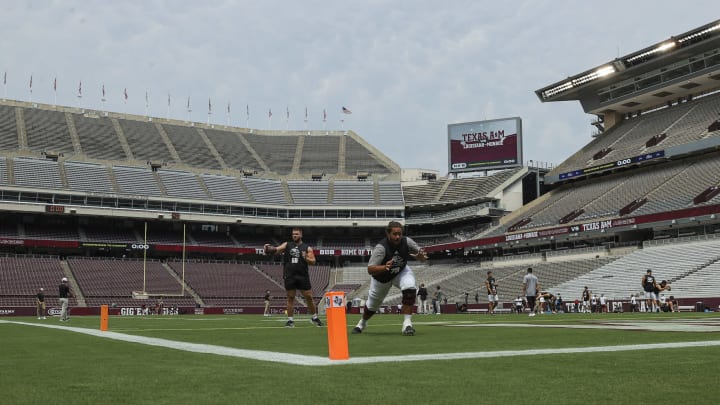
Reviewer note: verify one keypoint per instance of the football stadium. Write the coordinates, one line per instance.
(163, 223)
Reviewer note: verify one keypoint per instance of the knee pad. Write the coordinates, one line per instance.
(408, 296)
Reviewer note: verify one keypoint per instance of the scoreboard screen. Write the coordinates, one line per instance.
(485, 145)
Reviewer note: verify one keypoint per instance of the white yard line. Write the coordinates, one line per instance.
(303, 360)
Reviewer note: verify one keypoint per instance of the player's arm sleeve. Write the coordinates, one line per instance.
(375, 264)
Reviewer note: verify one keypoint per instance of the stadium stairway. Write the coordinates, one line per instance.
(74, 288)
(189, 289)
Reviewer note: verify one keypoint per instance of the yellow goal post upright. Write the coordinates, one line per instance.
(144, 294)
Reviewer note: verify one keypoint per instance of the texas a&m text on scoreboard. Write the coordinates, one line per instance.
(485, 145)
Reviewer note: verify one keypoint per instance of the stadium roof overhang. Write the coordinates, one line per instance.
(684, 65)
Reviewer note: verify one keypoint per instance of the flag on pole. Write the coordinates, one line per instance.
(270, 113)
(188, 104)
(103, 93)
(247, 111)
(55, 84)
(147, 100)
(80, 89)
(324, 115)
(209, 106)
(125, 94)
(5, 78)
(168, 100)
(306, 117)
(346, 111)
(287, 113)
(228, 107)
(30, 83)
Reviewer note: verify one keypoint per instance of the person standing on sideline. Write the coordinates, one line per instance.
(633, 303)
(64, 295)
(40, 303)
(422, 293)
(585, 300)
(437, 299)
(388, 266)
(491, 287)
(649, 285)
(530, 288)
(266, 299)
(297, 256)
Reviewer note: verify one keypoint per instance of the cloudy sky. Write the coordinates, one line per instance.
(406, 69)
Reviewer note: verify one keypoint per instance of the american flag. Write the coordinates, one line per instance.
(346, 111)
(270, 113)
(80, 89)
(30, 82)
(324, 115)
(125, 93)
(55, 84)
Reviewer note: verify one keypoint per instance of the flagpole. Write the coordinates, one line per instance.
(147, 103)
(188, 109)
(102, 100)
(5, 84)
(227, 116)
(79, 96)
(306, 119)
(55, 91)
(247, 115)
(167, 116)
(209, 110)
(31, 87)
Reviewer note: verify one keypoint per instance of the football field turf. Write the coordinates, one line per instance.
(564, 358)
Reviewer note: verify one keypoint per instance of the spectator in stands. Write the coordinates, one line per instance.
(64, 296)
(388, 266)
(266, 300)
(585, 300)
(633, 303)
(423, 293)
(296, 258)
(491, 287)
(530, 288)
(40, 303)
(650, 285)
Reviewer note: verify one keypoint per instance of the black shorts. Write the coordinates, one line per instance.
(297, 282)
(531, 301)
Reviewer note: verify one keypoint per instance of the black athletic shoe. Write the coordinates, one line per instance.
(290, 324)
(409, 331)
(317, 322)
(356, 330)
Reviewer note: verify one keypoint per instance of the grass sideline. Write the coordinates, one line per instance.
(40, 365)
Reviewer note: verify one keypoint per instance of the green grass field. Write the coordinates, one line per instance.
(44, 365)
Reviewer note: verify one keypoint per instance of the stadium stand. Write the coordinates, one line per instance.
(191, 147)
(8, 128)
(47, 131)
(88, 177)
(97, 137)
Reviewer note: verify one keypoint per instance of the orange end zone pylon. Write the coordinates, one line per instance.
(104, 318)
(336, 325)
